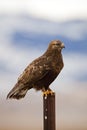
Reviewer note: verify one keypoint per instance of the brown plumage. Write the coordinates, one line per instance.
(41, 72)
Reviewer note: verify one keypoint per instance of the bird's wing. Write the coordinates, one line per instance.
(35, 71)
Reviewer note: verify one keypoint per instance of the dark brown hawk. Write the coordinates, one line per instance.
(41, 72)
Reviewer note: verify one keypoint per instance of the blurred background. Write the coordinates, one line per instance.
(26, 28)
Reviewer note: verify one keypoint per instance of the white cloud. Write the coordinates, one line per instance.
(53, 10)
(58, 10)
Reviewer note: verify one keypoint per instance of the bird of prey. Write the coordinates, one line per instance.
(41, 72)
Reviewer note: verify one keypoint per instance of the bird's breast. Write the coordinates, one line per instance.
(57, 65)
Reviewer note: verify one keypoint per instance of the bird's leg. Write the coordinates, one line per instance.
(47, 92)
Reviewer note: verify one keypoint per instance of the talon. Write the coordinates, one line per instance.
(48, 92)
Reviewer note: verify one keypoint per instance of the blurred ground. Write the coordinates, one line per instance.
(27, 113)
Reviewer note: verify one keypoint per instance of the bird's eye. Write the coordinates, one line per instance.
(57, 44)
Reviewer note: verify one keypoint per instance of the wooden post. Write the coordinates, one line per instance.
(49, 112)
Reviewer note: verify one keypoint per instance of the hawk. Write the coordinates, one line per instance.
(41, 72)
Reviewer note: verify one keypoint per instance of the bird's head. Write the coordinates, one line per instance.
(56, 45)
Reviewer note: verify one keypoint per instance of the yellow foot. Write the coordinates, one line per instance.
(48, 92)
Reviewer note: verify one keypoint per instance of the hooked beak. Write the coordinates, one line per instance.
(62, 45)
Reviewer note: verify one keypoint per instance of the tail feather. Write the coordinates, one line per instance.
(18, 92)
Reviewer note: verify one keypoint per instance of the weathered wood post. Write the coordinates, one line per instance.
(49, 112)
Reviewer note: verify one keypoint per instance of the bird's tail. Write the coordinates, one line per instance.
(18, 92)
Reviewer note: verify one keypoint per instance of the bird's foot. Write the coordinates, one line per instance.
(48, 92)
